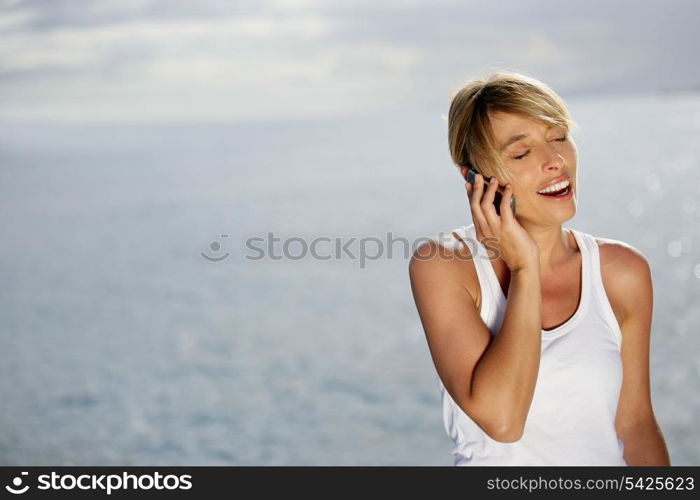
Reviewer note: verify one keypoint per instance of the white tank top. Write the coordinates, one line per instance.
(572, 415)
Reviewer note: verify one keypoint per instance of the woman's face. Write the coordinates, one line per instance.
(538, 154)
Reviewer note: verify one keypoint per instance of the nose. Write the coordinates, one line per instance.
(554, 159)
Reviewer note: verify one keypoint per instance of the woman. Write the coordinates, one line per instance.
(541, 345)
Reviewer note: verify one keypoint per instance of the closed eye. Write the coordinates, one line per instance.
(520, 157)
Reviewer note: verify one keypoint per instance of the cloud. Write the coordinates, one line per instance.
(155, 60)
(78, 48)
(248, 68)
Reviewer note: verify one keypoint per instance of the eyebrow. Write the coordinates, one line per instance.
(513, 139)
(518, 137)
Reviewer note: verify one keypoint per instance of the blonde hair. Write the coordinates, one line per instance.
(468, 130)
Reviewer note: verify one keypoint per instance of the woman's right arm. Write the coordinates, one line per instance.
(491, 378)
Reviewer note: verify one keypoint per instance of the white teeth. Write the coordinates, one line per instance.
(555, 187)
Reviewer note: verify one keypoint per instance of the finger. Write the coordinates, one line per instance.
(506, 212)
(469, 188)
(487, 205)
(491, 189)
(475, 203)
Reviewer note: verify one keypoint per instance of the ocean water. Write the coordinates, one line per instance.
(124, 343)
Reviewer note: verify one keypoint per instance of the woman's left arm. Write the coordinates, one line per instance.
(635, 422)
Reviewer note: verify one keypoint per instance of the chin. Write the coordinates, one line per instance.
(554, 213)
(565, 213)
(565, 219)
(552, 218)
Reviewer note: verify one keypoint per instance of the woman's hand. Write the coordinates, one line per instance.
(514, 244)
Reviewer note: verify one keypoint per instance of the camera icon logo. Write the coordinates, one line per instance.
(215, 246)
(17, 482)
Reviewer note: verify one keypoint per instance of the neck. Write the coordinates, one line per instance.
(554, 245)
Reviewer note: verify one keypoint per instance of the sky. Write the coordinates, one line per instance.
(135, 61)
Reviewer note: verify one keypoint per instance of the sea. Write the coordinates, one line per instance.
(238, 293)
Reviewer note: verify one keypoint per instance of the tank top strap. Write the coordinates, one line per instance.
(597, 290)
(590, 261)
(491, 291)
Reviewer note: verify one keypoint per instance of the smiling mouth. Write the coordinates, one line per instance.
(561, 192)
(557, 189)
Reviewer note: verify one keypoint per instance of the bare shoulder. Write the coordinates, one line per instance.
(449, 243)
(444, 256)
(622, 259)
(626, 275)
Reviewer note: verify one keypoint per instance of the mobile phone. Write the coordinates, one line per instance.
(471, 177)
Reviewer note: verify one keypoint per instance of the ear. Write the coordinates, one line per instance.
(464, 169)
